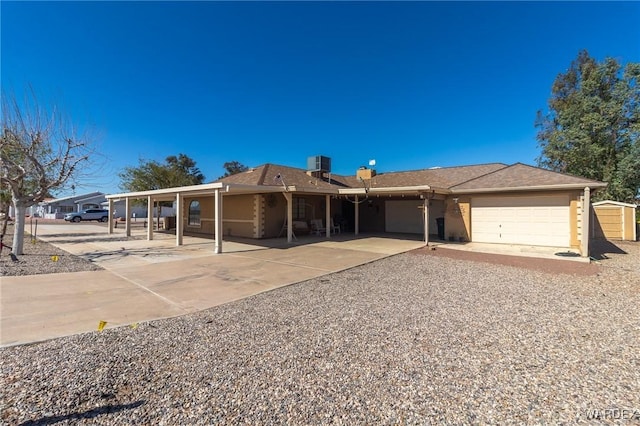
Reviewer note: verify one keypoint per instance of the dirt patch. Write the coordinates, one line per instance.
(550, 266)
(40, 257)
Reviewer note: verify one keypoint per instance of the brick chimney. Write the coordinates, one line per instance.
(365, 173)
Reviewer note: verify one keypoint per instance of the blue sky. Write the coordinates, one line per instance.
(410, 84)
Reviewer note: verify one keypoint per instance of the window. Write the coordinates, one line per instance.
(194, 213)
(299, 208)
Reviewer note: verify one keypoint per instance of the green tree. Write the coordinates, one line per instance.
(41, 151)
(150, 175)
(232, 168)
(592, 127)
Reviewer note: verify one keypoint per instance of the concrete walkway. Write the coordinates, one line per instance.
(145, 280)
(519, 250)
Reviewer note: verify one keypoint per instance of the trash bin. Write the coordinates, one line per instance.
(440, 222)
(169, 223)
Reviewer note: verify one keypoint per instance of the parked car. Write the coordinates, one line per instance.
(91, 214)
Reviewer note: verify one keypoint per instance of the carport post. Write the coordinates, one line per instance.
(426, 220)
(149, 218)
(289, 199)
(218, 222)
(110, 231)
(586, 212)
(327, 215)
(127, 217)
(357, 218)
(178, 219)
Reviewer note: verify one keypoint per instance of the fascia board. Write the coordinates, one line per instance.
(351, 191)
(593, 185)
(165, 191)
(392, 189)
(417, 188)
(326, 191)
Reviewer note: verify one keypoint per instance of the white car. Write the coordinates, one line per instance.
(91, 214)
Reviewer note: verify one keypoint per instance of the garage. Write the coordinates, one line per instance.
(532, 220)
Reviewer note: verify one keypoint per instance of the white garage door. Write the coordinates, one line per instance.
(404, 216)
(540, 221)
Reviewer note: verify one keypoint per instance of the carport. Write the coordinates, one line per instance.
(216, 190)
(421, 196)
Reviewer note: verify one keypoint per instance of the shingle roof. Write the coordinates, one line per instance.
(266, 175)
(439, 178)
(522, 176)
(481, 176)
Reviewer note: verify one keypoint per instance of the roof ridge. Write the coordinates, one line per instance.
(263, 173)
(506, 166)
(558, 173)
(442, 168)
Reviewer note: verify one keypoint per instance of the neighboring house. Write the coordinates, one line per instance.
(488, 203)
(91, 202)
(57, 207)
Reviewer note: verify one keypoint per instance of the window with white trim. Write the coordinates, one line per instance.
(194, 213)
(299, 212)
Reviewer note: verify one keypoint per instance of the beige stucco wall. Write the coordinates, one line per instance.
(457, 218)
(275, 211)
(206, 216)
(238, 215)
(238, 212)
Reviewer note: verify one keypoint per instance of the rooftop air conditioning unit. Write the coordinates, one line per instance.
(319, 163)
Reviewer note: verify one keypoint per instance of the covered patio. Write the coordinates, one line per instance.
(222, 196)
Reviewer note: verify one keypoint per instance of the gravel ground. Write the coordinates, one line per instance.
(39, 258)
(417, 338)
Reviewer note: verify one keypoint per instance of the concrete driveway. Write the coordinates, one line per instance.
(145, 280)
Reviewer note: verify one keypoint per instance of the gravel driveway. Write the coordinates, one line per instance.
(417, 338)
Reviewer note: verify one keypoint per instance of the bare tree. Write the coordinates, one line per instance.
(40, 153)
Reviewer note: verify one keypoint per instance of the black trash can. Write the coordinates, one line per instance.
(440, 222)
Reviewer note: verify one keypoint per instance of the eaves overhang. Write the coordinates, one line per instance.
(310, 190)
(558, 187)
(395, 190)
